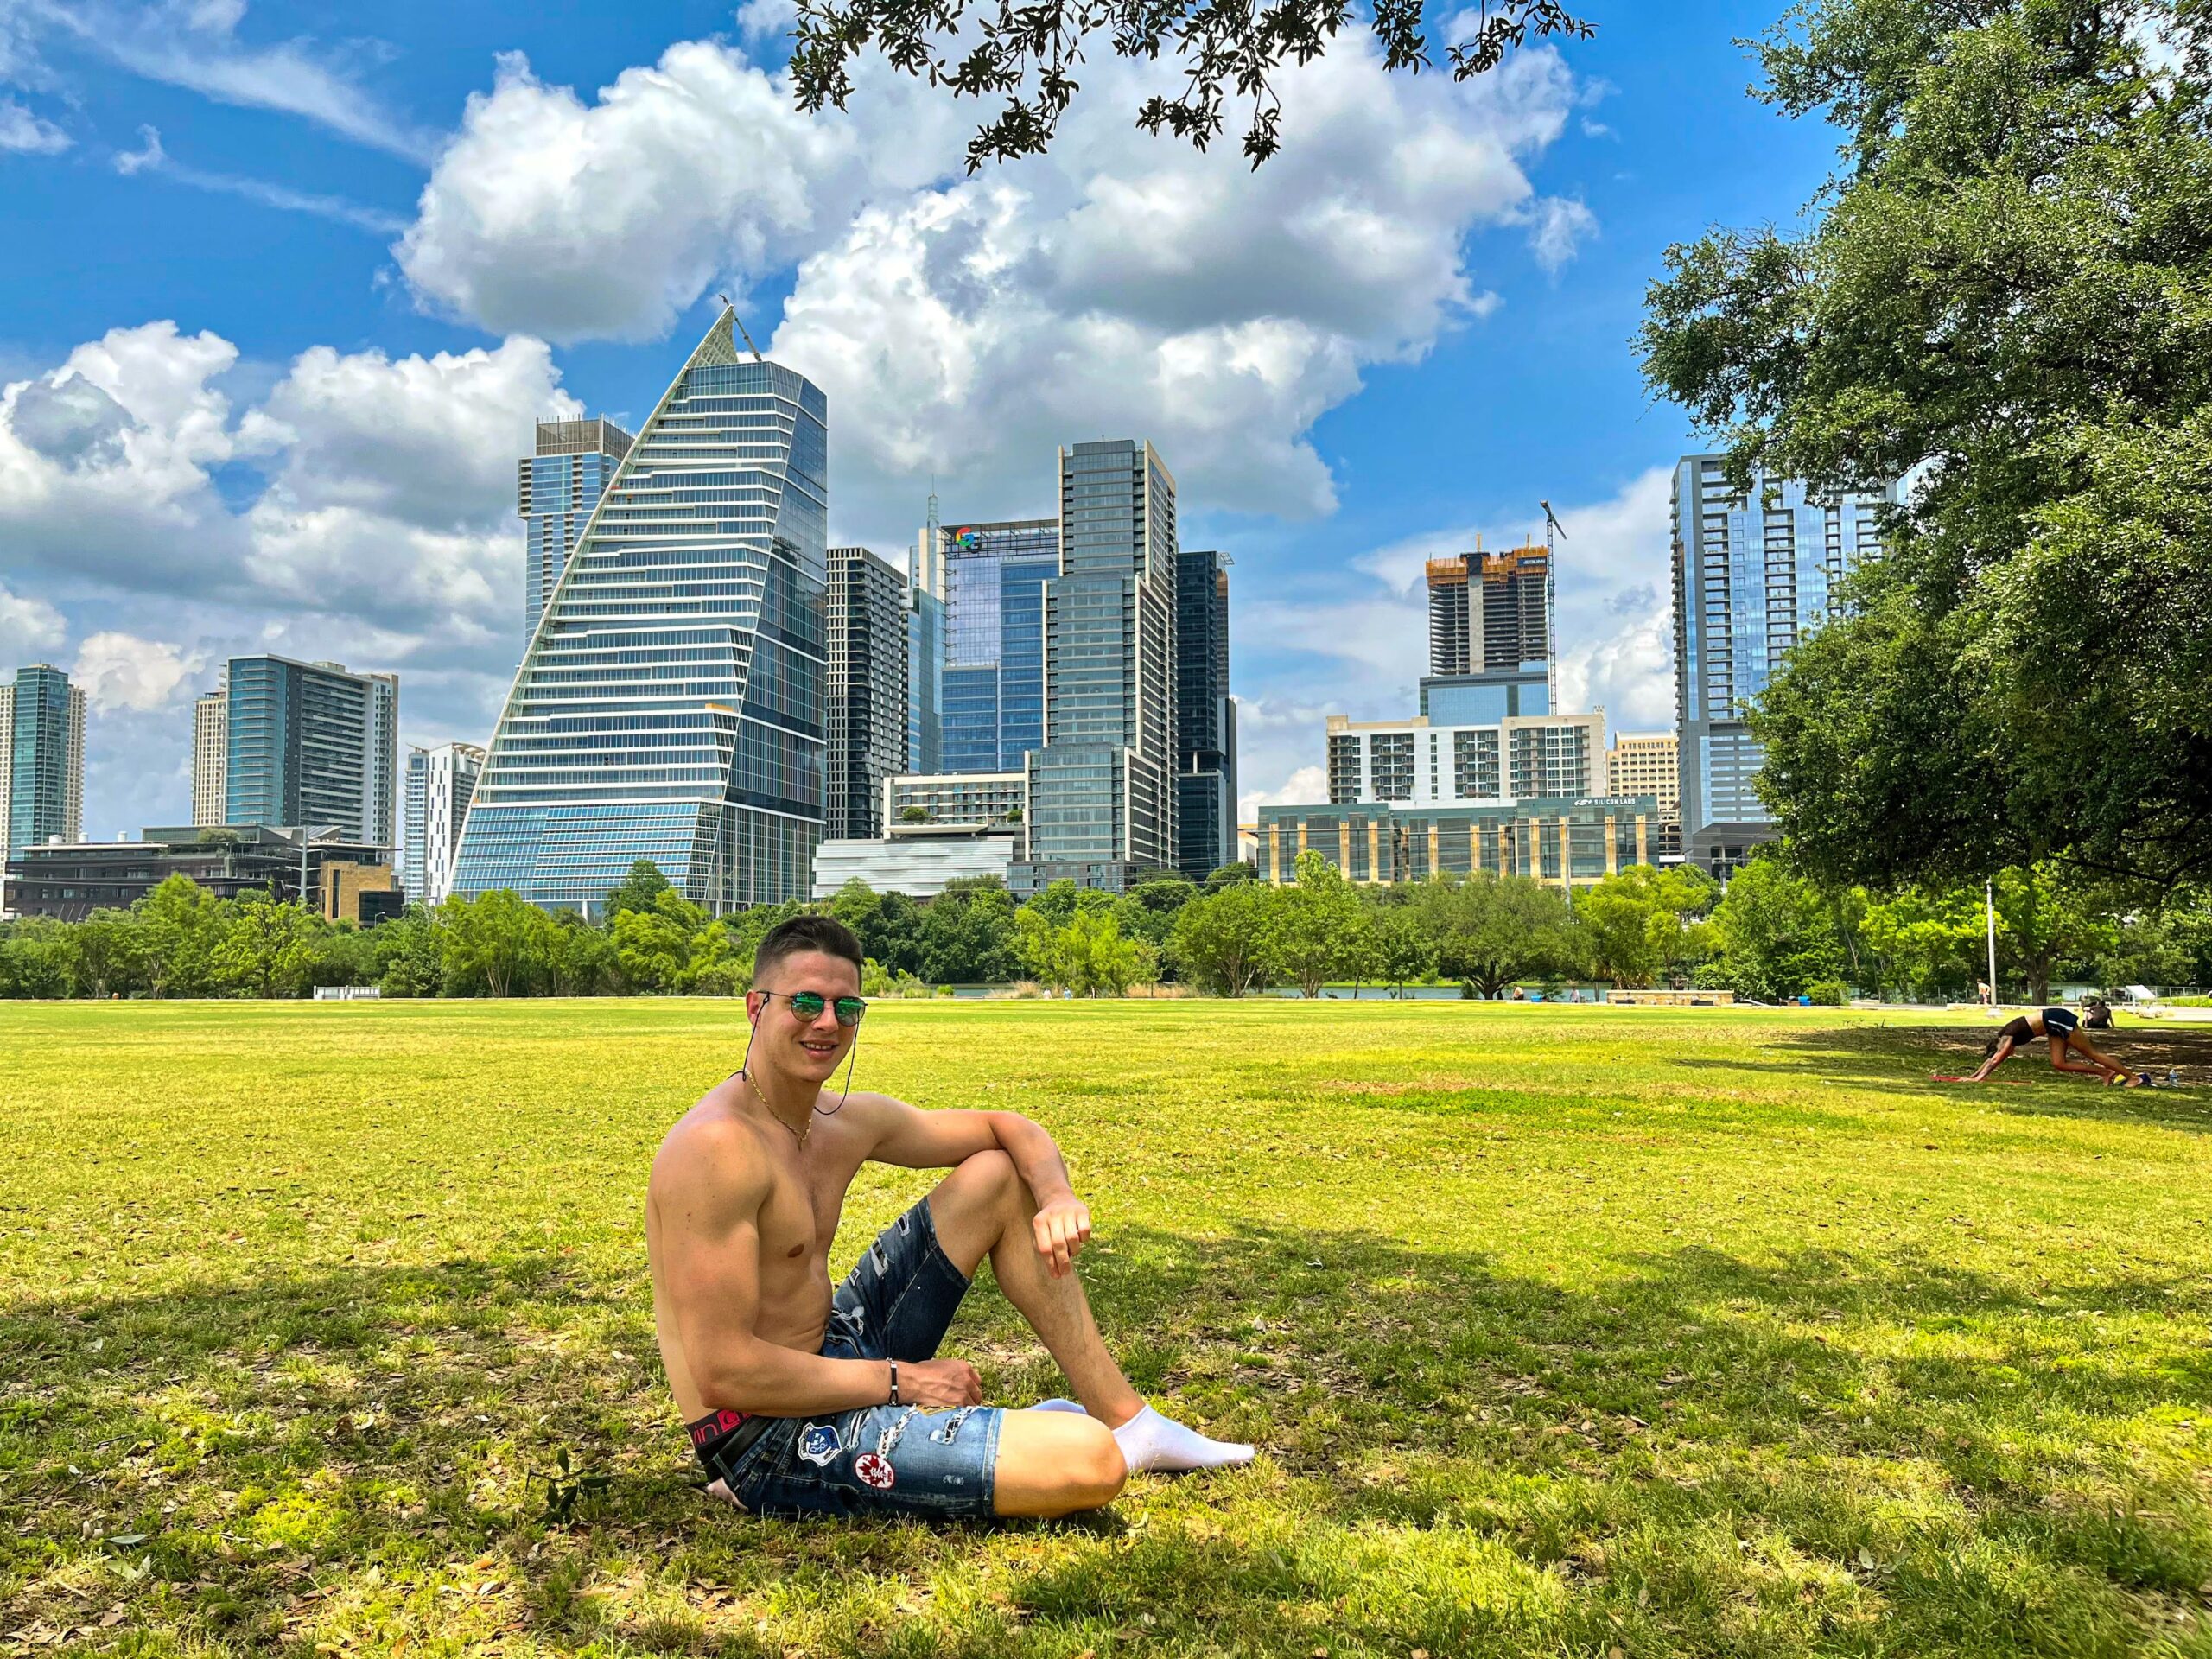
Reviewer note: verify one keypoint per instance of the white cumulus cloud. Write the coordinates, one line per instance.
(28, 628)
(120, 670)
(29, 134)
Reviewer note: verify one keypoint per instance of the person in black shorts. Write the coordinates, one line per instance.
(2062, 1026)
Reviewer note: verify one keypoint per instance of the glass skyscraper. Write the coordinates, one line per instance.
(925, 650)
(1754, 573)
(867, 690)
(556, 491)
(1101, 793)
(42, 757)
(311, 743)
(671, 705)
(1206, 718)
(993, 696)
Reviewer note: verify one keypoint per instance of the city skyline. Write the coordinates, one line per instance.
(330, 412)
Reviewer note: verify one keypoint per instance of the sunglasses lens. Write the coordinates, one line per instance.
(807, 1005)
(849, 1010)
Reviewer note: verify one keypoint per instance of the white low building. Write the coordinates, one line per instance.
(917, 859)
(1412, 763)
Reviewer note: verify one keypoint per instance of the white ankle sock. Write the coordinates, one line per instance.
(1149, 1440)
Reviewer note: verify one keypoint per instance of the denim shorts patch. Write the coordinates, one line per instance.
(896, 1304)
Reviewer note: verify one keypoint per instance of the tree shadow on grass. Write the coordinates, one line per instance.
(1825, 1451)
(1901, 1059)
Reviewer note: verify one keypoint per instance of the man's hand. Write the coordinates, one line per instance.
(939, 1384)
(1062, 1227)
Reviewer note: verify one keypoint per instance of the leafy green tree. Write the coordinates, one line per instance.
(414, 962)
(1220, 55)
(1230, 875)
(111, 948)
(579, 959)
(967, 934)
(652, 947)
(268, 948)
(1491, 932)
(183, 926)
(2003, 295)
(38, 959)
(1776, 934)
(1404, 953)
(641, 888)
(1320, 926)
(2044, 919)
(1643, 923)
(1223, 941)
(1923, 941)
(493, 941)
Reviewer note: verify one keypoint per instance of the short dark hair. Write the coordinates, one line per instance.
(823, 934)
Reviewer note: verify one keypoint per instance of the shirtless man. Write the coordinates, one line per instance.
(802, 1401)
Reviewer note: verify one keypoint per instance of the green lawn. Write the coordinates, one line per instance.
(1564, 1331)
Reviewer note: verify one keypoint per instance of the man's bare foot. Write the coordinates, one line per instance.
(720, 1491)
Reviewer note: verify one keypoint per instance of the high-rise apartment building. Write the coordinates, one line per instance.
(42, 757)
(1491, 637)
(211, 741)
(867, 726)
(1101, 795)
(1417, 763)
(994, 669)
(440, 782)
(555, 490)
(1205, 717)
(925, 650)
(1755, 571)
(313, 744)
(1646, 763)
(673, 703)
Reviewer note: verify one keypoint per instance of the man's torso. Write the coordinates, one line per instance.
(796, 1223)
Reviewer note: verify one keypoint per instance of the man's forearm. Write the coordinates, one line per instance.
(1036, 1159)
(769, 1381)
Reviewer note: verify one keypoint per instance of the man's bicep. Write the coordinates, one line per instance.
(914, 1138)
(714, 1258)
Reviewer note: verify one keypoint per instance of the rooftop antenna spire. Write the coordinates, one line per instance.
(740, 323)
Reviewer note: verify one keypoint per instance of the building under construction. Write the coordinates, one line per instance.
(1490, 612)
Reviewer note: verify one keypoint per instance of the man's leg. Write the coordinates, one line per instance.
(985, 1208)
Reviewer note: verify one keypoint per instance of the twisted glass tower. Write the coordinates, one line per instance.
(671, 703)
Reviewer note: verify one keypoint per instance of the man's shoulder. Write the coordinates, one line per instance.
(712, 1142)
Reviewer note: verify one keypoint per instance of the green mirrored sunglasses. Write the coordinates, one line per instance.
(808, 1005)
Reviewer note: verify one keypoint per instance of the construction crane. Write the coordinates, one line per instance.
(739, 324)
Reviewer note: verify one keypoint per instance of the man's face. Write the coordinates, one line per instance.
(812, 1049)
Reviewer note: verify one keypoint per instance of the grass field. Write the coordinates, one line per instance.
(1575, 1332)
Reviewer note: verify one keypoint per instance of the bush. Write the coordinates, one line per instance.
(1828, 993)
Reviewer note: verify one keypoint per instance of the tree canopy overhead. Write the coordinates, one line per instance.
(1029, 54)
(2005, 295)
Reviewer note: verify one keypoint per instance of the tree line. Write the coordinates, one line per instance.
(1771, 935)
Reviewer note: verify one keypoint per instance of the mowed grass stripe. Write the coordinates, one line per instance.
(1694, 1332)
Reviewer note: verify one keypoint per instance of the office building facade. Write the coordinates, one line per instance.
(69, 881)
(672, 703)
(1755, 572)
(992, 689)
(42, 760)
(1647, 763)
(1565, 842)
(211, 738)
(975, 800)
(1421, 764)
(555, 489)
(1101, 796)
(1205, 717)
(925, 650)
(311, 743)
(440, 782)
(1489, 612)
(867, 707)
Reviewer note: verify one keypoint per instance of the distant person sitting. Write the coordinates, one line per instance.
(801, 1400)
(2061, 1027)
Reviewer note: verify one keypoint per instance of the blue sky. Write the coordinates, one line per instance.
(279, 306)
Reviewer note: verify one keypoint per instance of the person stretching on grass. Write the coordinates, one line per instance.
(800, 1399)
(2062, 1026)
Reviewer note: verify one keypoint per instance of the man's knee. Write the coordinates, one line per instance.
(1099, 1469)
(991, 1174)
